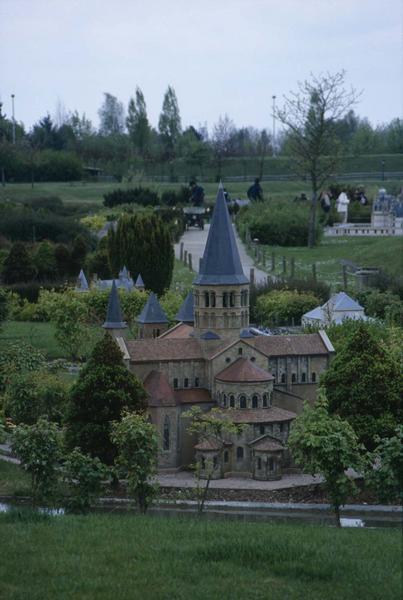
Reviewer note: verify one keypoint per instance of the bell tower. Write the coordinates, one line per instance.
(221, 289)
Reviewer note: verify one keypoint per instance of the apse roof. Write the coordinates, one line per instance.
(244, 371)
(221, 264)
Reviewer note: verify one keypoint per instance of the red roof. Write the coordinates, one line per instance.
(209, 444)
(258, 415)
(160, 393)
(193, 396)
(244, 371)
(267, 443)
(179, 331)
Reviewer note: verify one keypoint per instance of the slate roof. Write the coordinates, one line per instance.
(261, 415)
(244, 371)
(82, 283)
(114, 319)
(186, 311)
(210, 335)
(152, 311)
(221, 264)
(342, 301)
(209, 444)
(246, 333)
(139, 282)
(178, 331)
(159, 391)
(288, 345)
(152, 350)
(266, 443)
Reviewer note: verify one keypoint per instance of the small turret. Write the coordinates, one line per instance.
(139, 285)
(152, 319)
(114, 320)
(82, 283)
(186, 312)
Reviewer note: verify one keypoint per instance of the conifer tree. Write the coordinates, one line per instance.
(169, 123)
(137, 123)
(143, 244)
(105, 388)
(18, 265)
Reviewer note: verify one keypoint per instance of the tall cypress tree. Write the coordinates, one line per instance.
(143, 244)
(18, 265)
(104, 389)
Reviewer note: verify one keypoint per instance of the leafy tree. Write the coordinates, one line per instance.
(309, 116)
(17, 358)
(78, 254)
(324, 444)
(35, 394)
(169, 123)
(137, 123)
(214, 425)
(84, 476)
(284, 306)
(137, 443)
(44, 134)
(142, 243)
(81, 126)
(385, 474)
(18, 266)
(39, 448)
(45, 261)
(111, 116)
(363, 385)
(223, 132)
(104, 389)
(63, 260)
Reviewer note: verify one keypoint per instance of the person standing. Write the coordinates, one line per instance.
(255, 192)
(342, 203)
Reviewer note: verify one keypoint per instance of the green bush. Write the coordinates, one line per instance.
(138, 195)
(284, 307)
(16, 358)
(84, 476)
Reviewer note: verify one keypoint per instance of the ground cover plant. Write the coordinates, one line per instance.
(104, 556)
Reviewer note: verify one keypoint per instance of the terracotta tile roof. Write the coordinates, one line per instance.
(259, 415)
(164, 349)
(244, 371)
(193, 395)
(266, 443)
(287, 345)
(179, 331)
(209, 444)
(160, 393)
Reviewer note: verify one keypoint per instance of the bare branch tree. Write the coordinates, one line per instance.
(309, 116)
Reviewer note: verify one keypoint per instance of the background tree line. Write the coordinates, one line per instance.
(57, 148)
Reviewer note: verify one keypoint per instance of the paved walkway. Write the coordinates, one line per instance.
(194, 241)
(185, 479)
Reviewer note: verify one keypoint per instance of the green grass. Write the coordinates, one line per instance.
(121, 556)
(182, 277)
(384, 252)
(14, 481)
(38, 335)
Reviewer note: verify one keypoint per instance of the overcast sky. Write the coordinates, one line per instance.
(221, 56)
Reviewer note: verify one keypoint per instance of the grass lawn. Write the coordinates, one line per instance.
(124, 556)
(38, 335)
(182, 277)
(385, 252)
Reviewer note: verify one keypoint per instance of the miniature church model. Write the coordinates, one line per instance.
(209, 359)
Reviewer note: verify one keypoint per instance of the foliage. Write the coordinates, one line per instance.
(325, 444)
(4, 305)
(277, 224)
(93, 222)
(143, 244)
(35, 394)
(104, 389)
(309, 116)
(69, 314)
(38, 447)
(111, 116)
(363, 385)
(45, 262)
(283, 307)
(18, 358)
(169, 123)
(84, 476)
(18, 266)
(382, 305)
(137, 195)
(386, 468)
(137, 443)
(171, 302)
(137, 123)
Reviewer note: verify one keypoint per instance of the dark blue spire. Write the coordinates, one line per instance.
(114, 319)
(152, 311)
(221, 264)
(186, 311)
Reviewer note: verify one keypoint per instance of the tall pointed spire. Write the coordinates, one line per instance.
(82, 283)
(114, 319)
(186, 310)
(221, 264)
(152, 311)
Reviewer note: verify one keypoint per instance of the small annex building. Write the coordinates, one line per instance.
(210, 359)
(336, 310)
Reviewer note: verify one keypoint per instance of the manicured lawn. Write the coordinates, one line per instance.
(122, 556)
(385, 252)
(38, 335)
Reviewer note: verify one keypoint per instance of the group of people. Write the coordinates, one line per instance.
(342, 201)
(196, 198)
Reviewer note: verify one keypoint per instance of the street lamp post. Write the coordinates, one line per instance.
(12, 106)
(274, 125)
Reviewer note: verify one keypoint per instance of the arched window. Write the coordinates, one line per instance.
(271, 464)
(293, 378)
(232, 401)
(313, 377)
(224, 400)
(167, 433)
(283, 378)
(175, 383)
(259, 463)
(255, 401)
(225, 300)
(203, 462)
(212, 299)
(265, 398)
(186, 382)
(240, 351)
(196, 382)
(206, 299)
(242, 401)
(226, 457)
(303, 377)
(215, 462)
(239, 453)
(232, 299)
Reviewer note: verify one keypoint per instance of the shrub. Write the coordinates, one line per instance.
(284, 307)
(138, 195)
(84, 476)
(18, 358)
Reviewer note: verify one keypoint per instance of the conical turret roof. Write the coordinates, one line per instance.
(221, 264)
(186, 311)
(152, 311)
(139, 282)
(82, 283)
(114, 319)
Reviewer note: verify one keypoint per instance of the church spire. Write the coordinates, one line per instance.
(114, 319)
(221, 264)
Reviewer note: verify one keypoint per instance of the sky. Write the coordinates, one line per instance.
(221, 56)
